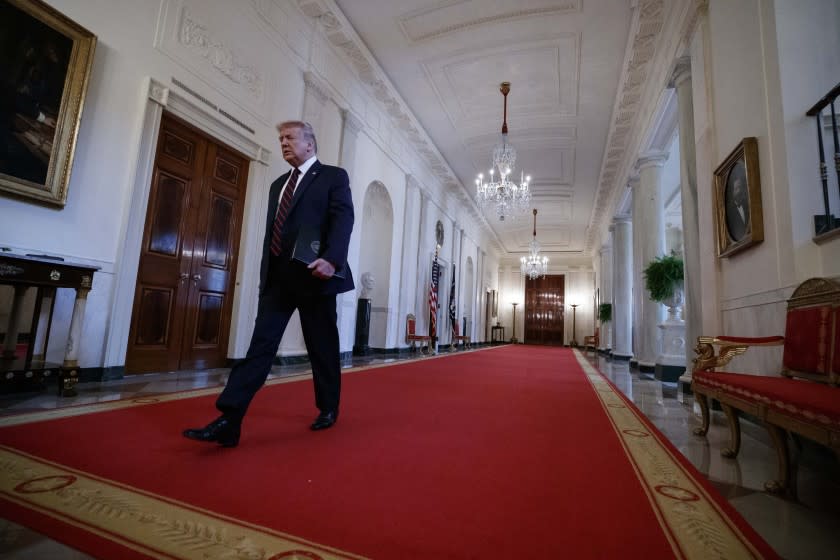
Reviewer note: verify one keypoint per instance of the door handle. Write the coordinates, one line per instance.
(196, 278)
(184, 276)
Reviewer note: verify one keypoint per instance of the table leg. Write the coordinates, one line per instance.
(13, 327)
(42, 329)
(69, 369)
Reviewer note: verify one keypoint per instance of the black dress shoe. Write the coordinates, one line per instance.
(324, 420)
(222, 430)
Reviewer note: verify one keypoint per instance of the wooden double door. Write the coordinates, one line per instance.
(544, 305)
(185, 281)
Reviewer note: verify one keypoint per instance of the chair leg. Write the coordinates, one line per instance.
(704, 411)
(782, 483)
(734, 432)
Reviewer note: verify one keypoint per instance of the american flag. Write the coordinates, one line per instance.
(433, 300)
(452, 299)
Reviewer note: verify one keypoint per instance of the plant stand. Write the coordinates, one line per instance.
(670, 364)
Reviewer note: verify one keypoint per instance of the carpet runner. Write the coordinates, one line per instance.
(510, 452)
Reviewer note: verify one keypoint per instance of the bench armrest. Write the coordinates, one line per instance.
(730, 346)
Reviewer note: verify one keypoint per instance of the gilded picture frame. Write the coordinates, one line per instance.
(739, 218)
(45, 66)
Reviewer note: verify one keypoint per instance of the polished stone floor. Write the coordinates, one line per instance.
(802, 529)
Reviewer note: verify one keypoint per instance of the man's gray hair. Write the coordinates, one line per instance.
(308, 131)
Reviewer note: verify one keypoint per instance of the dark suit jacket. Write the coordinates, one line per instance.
(322, 199)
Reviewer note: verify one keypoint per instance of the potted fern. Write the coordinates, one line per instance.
(605, 312)
(664, 281)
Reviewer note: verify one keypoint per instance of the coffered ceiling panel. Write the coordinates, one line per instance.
(544, 73)
(564, 59)
(451, 16)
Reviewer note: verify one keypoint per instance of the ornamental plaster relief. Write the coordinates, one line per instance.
(221, 47)
(198, 38)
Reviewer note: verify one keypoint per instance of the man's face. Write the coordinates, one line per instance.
(296, 149)
(738, 190)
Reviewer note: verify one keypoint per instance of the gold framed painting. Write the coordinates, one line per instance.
(45, 64)
(737, 197)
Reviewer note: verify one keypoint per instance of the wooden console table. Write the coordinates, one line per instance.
(45, 274)
(501, 332)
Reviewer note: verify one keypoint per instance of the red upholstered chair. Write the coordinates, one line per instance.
(412, 337)
(456, 337)
(803, 398)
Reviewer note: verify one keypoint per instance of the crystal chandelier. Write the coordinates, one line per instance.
(500, 192)
(534, 265)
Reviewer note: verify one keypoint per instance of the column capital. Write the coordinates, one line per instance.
(632, 182)
(680, 72)
(622, 219)
(651, 159)
(352, 123)
(412, 183)
(316, 86)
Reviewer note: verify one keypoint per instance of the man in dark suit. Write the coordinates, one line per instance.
(312, 197)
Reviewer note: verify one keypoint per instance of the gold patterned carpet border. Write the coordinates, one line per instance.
(131, 517)
(691, 519)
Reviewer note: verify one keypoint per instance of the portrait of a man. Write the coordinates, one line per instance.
(737, 203)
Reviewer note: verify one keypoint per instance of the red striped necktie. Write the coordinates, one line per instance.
(283, 212)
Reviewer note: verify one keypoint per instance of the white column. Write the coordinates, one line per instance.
(622, 287)
(605, 342)
(424, 272)
(681, 80)
(314, 98)
(648, 243)
(411, 240)
(351, 126)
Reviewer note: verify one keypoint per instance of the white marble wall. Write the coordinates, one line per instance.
(259, 62)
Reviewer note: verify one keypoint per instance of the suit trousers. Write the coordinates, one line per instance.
(318, 321)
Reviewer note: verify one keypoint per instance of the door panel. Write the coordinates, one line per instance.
(213, 272)
(156, 307)
(167, 215)
(544, 305)
(184, 293)
(161, 294)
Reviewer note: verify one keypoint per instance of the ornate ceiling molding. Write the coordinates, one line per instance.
(341, 35)
(646, 29)
(416, 29)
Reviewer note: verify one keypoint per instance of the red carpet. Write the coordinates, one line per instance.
(504, 453)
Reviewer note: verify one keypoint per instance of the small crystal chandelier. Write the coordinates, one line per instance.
(534, 265)
(508, 197)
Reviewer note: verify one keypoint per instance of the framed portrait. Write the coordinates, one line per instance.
(737, 196)
(45, 63)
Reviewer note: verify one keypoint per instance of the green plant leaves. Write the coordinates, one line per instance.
(662, 276)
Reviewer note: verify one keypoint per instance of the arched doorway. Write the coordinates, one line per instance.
(375, 259)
